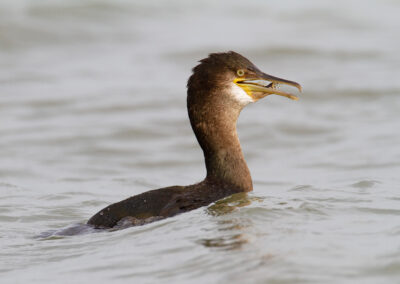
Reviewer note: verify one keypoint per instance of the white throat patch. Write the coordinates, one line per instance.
(240, 95)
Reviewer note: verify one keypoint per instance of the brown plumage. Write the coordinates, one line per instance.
(220, 86)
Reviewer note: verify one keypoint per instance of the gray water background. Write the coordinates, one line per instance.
(93, 110)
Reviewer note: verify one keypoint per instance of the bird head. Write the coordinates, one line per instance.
(243, 80)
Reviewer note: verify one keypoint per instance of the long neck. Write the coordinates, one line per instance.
(215, 129)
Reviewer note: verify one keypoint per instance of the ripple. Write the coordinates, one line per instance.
(70, 230)
(379, 211)
(365, 183)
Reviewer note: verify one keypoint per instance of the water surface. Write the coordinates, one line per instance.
(92, 110)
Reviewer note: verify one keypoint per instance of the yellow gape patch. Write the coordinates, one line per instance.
(244, 87)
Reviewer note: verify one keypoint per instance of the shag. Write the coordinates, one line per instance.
(220, 86)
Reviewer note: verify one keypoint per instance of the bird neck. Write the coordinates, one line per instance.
(215, 129)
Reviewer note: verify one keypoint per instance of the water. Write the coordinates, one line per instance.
(92, 110)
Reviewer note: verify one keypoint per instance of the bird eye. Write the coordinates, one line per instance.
(240, 72)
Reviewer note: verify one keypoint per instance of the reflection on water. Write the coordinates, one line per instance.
(231, 242)
(227, 205)
(232, 229)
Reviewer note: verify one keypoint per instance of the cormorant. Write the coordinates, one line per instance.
(220, 86)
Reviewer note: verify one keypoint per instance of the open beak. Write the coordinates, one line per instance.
(262, 85)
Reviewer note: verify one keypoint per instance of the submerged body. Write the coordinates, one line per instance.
(220, 86)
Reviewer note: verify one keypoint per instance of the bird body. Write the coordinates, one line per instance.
(219, 88)
(160, 203)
